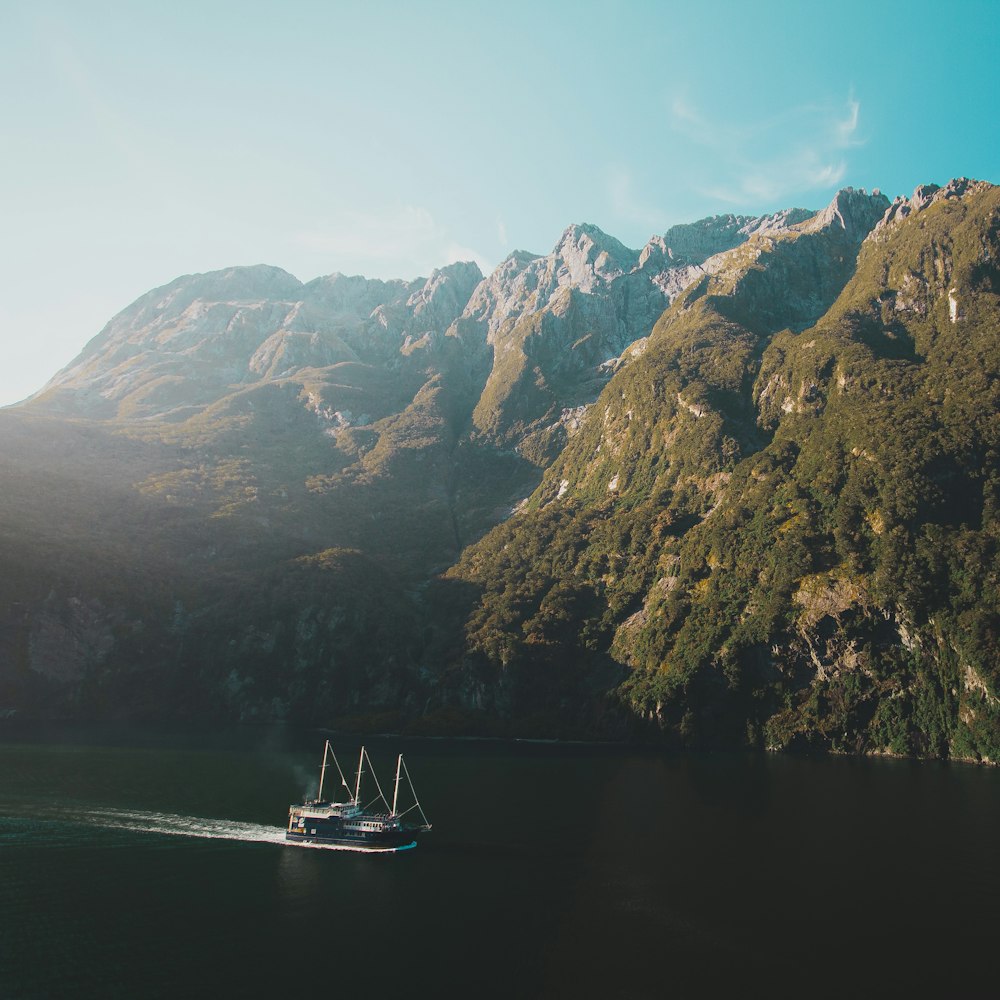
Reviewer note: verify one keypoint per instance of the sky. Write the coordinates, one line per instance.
(145, 140)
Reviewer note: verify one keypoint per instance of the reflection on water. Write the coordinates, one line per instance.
(144, 864)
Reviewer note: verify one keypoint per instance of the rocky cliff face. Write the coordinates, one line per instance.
(558, 324)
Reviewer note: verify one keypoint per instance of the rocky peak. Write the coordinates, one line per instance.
(445, 287)
(500, 287)
(585, 256)
(237, 285)
(186, 345)
(854, 211)
(776, 222)
(584, 259)
(588, 260)
(689, 251)
(694, 242)
(516, 261)
(591, 241)
(435, 305)
(242, 284)
(925, 195)
(341, 293)
(254, 283)
(656, 252)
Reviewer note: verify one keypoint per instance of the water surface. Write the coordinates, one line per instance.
(136, 863)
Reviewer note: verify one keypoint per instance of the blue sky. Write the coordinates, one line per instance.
(146, 140)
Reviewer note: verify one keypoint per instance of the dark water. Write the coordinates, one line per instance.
(137, 864)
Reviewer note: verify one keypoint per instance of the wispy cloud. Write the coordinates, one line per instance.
(401, 241)
(795, 151)
(846, 129)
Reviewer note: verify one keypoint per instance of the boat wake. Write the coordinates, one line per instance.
(182, 826)
(203, 828)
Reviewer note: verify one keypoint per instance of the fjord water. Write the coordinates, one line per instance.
(143, 864)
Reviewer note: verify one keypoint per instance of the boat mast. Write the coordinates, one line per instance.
(416, 801)
(322, 772)
(395, 794)
(357, 786)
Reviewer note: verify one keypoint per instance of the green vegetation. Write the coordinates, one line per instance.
(786, 538)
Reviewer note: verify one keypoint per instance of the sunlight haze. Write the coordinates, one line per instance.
(144, 141)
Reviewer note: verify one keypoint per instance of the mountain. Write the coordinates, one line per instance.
(777, 526)
(736, 487)
(190, 344)
(240, 468)
(558, 323)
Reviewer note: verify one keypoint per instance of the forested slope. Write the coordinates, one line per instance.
(780, 522)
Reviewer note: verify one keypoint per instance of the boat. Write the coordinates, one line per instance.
(375, 826)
